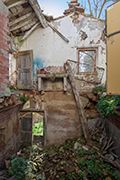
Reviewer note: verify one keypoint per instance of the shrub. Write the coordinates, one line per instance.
(105, 106)
(18, 168)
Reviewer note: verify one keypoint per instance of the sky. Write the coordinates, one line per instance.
(57, 7)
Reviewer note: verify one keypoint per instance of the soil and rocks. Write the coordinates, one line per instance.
(73, 160)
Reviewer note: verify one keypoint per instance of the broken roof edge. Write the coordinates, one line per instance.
(36, 7)
(85, 15)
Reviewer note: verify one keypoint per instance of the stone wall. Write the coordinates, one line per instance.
(9, 131)
(4, 46)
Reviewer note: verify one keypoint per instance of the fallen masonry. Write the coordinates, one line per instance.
(74, 159)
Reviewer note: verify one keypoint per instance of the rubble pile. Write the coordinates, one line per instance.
(74, 159)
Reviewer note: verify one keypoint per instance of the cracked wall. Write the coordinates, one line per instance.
(82, 32)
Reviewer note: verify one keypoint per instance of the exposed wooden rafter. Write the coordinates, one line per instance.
(20, 19)
(54, 29)
(30, 31)
(21, 24)
(27, 10)
(38, 12)
(23, 16)
(17, 3)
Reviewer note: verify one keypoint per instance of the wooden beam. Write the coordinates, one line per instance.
(17, 3)
(78, 101)
(30, 31)
(31, 110)
(20, 19)
(54, 29)
(22, 23)
(26, 10)
(5, 1)
(38, 12)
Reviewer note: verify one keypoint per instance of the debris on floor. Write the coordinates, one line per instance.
(72, 160)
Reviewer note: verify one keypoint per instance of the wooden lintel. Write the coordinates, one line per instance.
(20, 19)
(54, 29)
(30, 31)
(38, 12)
(50, 75)
(31, 110)
(17, 3)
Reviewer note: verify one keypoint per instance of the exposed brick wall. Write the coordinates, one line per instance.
(4, 46)
(10, 136)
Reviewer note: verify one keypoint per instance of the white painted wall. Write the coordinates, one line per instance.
(49, 49)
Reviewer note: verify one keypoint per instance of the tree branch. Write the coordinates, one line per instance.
(90, 8)
(101, 8)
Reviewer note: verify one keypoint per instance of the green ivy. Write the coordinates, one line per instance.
(18, 168)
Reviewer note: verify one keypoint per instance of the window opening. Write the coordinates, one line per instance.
(87, 60)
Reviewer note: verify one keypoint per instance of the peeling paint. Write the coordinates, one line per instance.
(82, 32)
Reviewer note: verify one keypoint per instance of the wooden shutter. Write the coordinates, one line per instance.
(25, 70)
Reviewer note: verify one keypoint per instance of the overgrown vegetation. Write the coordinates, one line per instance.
(38, 129)
(63, 162)
(23, 98)
(18, 167)
(106, 104)
(99, 89)
(13, 88)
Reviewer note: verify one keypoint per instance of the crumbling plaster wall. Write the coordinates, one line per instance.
(49, 49)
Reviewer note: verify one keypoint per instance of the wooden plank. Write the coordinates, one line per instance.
(17, 3)
(22, 10)
(22, 23)
(20, 19)
(54, 29)
(45, 128)
(31, 110)
(65, 83)
(5, 1)
(38, 12)
(78, 101)
(30, 31)
(40, 84)
(50, 75)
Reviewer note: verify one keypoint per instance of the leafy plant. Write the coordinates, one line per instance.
(80, 153)
(105, 106)
(81, 176)
(18, 168)
(12, 87)
(23, 98)
(38, 129)
(99, 89)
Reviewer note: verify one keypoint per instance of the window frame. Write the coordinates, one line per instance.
(86, 49)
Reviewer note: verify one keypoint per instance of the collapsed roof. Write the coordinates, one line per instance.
(24, 15)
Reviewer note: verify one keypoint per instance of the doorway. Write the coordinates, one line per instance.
(33, 126)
